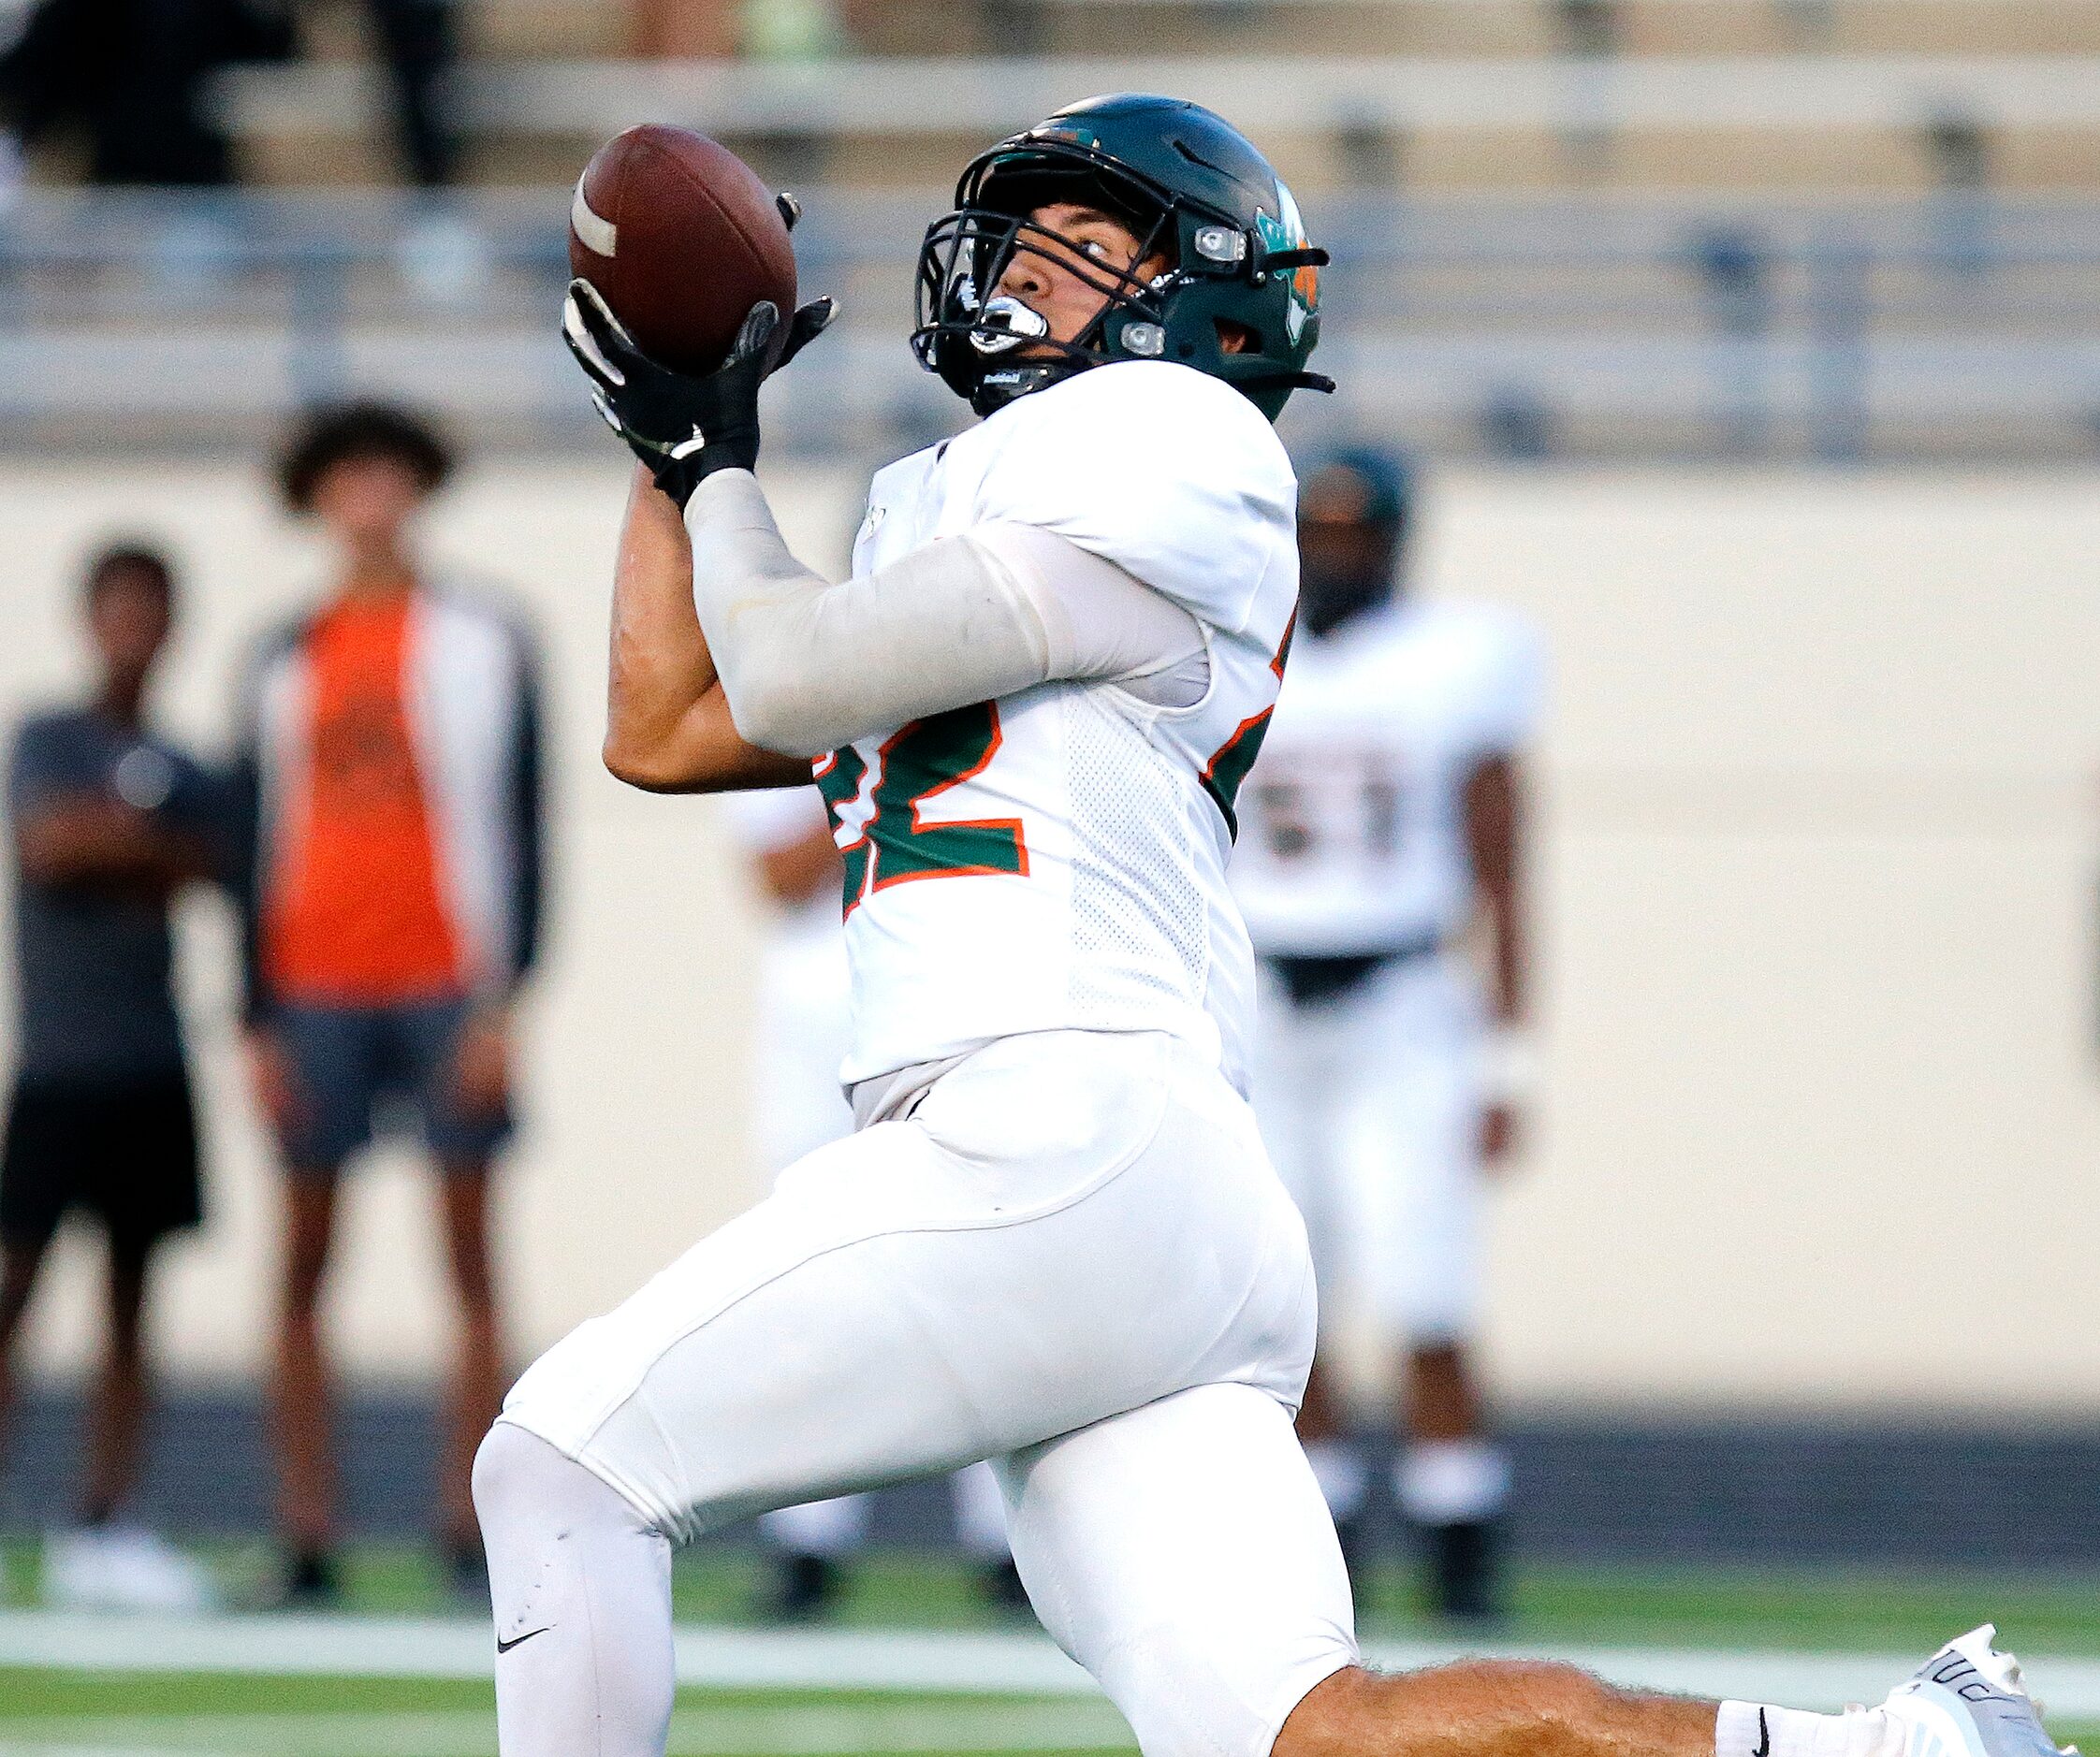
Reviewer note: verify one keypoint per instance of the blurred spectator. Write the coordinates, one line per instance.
(419, 41)
(392, 779)
(135, 75)
(1382, 823)
(110, 821)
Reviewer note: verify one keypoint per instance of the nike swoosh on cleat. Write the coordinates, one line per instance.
(504, 1647)
(1764, 1733)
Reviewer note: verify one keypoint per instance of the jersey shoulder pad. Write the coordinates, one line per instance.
(907, 472)
(1171, 474)
(893, 486)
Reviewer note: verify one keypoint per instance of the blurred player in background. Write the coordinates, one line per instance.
(1384, 819)
(111, 822)
(805, 1002)
(392, 769)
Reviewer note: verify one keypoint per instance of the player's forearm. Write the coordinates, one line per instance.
(668, 726)
(660, 664)
(96, 842)
(704, 753)
(808, 665)
(801, 870)
(1509, 959)
(1495, 835)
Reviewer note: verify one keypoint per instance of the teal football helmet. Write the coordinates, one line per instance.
(1239, 299)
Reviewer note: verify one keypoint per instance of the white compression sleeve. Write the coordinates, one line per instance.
(1103, 623)
(808, 665)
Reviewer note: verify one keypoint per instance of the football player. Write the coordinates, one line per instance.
(1383, 818)
(804, 1002)
(1054, 1240)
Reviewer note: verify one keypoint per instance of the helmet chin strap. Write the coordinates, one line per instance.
(1004, 384)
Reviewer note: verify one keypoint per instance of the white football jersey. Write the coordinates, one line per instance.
(1352, 838)
(1055, 860)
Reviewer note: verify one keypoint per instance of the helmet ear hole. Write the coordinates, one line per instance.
(1237, 338)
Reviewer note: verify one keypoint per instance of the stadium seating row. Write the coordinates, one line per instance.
(1830, 122)
(1959, 328)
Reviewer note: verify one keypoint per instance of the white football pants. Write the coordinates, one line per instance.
(805, 1020)
(1072, 1258)
(1370, 1104)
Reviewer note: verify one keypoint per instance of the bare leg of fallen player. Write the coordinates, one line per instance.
(1967, 1696)
(1491, 1708)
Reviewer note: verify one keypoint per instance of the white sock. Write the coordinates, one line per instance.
(980, 1514)
(1452, 1482)
(1343, 1476)
(1755, 1729)
(581, 1586)
(828, 1528)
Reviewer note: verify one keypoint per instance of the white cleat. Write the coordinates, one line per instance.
(123, 1568)
(1968, 1700)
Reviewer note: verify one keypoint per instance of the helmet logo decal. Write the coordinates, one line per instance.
(1289, 233)
(1077, 133)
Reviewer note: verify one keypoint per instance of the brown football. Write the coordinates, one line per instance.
(682, 240)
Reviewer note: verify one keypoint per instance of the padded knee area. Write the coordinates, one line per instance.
(521, 1482)
(581, 1588)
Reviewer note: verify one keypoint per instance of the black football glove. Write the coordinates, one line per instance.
(683, 428)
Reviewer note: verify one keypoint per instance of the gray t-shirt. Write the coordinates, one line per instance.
(94, 971)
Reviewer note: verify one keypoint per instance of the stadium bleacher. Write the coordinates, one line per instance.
(1650, 326)
(1585, 228)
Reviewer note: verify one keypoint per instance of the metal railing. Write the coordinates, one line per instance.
(1968, 327)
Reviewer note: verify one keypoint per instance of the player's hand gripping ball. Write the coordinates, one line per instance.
(683, 428)
(681, 391)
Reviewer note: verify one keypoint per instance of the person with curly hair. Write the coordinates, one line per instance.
(391, 766)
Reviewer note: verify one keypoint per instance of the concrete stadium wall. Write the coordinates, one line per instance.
(1816, 881)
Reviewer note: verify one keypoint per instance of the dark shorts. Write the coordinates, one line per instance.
(122, 1149)
(360, 1070)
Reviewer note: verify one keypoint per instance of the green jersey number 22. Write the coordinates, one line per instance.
(916, 763)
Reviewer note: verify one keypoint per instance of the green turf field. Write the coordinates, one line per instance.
(1803, 1608)
(88, 1714)
(1889, 1609)
(319, 1717)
